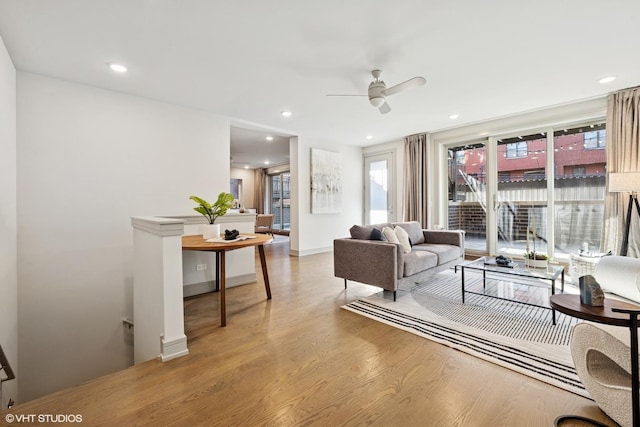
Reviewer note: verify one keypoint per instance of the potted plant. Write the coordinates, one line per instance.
(212, 211)
(536, 259)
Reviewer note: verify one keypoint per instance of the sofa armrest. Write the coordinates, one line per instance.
(368, 261)
(445, 237)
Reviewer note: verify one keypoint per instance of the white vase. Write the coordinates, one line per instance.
(209, 231)
(537, 263)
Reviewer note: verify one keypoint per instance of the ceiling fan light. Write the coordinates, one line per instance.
(376, 101)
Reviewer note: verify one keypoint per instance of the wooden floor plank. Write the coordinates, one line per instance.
(299, 359)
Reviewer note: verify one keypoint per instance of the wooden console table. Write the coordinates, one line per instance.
(197, 243)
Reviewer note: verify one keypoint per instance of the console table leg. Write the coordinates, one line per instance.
(223, 302)
(265, 274)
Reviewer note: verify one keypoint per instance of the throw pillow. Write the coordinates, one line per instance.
(376, 235)
(414, 230)
(403, 238)
(360, 232)
(390, 235)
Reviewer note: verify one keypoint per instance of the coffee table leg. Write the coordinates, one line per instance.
(462, 269)
(553, 292)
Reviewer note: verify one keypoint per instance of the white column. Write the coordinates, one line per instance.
(157, 289)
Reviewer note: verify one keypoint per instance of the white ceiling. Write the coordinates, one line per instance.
(250, 149)
(252, 59)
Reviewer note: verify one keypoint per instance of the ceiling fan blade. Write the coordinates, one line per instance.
(414, 82)
(384, 108)
(344, 95)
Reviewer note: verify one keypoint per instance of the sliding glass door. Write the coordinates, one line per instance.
(280, 205)
(544, 191)
(522, 194)
(466, 177)
(580, 172)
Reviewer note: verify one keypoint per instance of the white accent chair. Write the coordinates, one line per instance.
(601, 355)
(601, 352)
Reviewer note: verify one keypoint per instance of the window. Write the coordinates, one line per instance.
(467, 193)
(281, 200)
(578, 171)
(595, 139)
(516, 149)
(579, 188)
(534, 174)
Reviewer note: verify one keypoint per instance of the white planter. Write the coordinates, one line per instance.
(209, 231)
(537, 263)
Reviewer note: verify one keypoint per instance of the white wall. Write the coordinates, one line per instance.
(88, 160)
(246, 175)
(8, 224)
(313, 233)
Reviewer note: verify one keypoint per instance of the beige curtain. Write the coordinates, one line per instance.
(415, 179)
(259, 187)
(623, 155)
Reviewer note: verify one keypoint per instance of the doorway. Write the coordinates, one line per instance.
(378, 185)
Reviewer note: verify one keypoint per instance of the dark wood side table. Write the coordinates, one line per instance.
(613, 312)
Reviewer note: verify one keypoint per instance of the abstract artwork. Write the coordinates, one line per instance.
(326, 182)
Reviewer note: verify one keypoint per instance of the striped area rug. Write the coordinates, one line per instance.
(516, 336)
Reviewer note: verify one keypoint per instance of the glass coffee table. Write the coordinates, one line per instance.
(486, 265)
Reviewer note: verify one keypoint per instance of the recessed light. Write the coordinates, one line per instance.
(269, 138)
(286, 113)
(266, 162)
(605, 80)
(369, 137)
(246, 166)
(454, 116)
(119, 68)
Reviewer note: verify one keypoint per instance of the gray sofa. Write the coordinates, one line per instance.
(386, 265)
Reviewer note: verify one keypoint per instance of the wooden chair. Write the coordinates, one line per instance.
(264, 223)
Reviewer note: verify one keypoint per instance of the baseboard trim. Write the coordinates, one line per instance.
(210, 286)
(174, 348)
(294, 252)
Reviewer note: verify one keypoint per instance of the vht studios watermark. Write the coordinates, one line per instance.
(43, 418)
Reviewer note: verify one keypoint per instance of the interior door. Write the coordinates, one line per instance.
(379, 197)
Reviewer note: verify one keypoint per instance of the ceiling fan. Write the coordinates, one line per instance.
(378, 90)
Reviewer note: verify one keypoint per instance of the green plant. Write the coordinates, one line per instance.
(535, 255)
(213, 211)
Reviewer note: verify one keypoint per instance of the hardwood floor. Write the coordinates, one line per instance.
(300, 359)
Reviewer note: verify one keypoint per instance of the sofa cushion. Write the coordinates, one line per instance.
(414, 230)
(403, 238)
(418, 261)
(444, 253)
(390, 235)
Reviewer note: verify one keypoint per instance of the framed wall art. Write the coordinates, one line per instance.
(326, 182)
